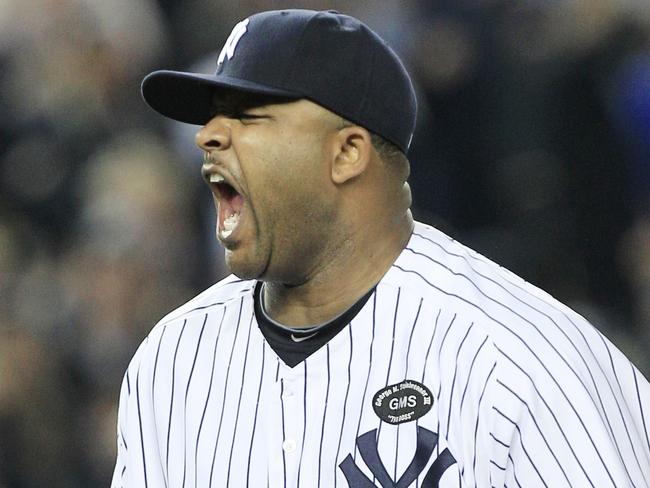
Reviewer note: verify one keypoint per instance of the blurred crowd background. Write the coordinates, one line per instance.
(533, 147)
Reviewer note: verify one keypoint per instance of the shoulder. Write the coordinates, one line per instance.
(217, 296)
(531, 335)
(544, 370)
(455, 278)
(434, 262)
(214, 299)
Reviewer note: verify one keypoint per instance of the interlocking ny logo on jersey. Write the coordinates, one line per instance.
(228, 50)
(426, 444)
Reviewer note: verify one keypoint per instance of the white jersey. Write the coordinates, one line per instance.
(455, 373)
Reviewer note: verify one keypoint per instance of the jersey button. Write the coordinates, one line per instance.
(289, 445)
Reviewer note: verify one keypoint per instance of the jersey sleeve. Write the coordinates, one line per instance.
(561, 426)
(138, 458)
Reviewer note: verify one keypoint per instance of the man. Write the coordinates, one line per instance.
(354, 347)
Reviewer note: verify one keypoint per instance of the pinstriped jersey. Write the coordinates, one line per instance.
(455, 373)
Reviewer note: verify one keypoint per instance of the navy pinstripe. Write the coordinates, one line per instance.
(304, 414)
(627, 431)
(521, 442)
(171, 401)
(322, 429)
(241, 391)
(284, 461)
(144, 456)
(392, 350)
(207, 398)
(372, 340)
(638, 396)
(257, 406)
(345, 402)
(480, 399)
(187, 389)
(541, 433)
(225, 386)
(541, 397)
(155, 364)
(469, 374)
(453, 381)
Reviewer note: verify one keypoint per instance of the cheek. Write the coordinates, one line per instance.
(287, 179)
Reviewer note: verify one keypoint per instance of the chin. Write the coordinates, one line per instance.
(243, 268)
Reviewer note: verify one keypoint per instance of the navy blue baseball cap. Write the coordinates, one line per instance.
(329, 58)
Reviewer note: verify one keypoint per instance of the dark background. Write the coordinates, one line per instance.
(533, 147)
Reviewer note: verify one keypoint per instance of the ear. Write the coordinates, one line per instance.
(352, 153)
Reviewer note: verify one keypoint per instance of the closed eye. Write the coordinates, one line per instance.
(246, 116)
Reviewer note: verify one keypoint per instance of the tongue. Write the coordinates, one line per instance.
(231, 205)
(236, 203)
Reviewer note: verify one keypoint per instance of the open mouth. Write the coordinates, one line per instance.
(231, 203)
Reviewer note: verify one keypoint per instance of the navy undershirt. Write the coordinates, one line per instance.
(309, 340)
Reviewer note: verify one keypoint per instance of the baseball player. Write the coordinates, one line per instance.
(354, 347)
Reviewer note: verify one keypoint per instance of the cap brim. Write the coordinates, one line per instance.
(187, 97)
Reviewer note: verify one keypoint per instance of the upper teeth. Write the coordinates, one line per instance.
(216, 178)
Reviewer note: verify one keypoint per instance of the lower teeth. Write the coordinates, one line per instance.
(229, 225)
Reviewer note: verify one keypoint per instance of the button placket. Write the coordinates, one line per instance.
(275, 427)
(292, 416)
(292, 403)
(289, 445)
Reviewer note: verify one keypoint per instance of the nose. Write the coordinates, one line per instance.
(215, 135)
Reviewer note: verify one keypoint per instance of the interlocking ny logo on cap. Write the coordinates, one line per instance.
(228, 50)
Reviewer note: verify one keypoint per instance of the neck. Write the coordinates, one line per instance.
(350, 270)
